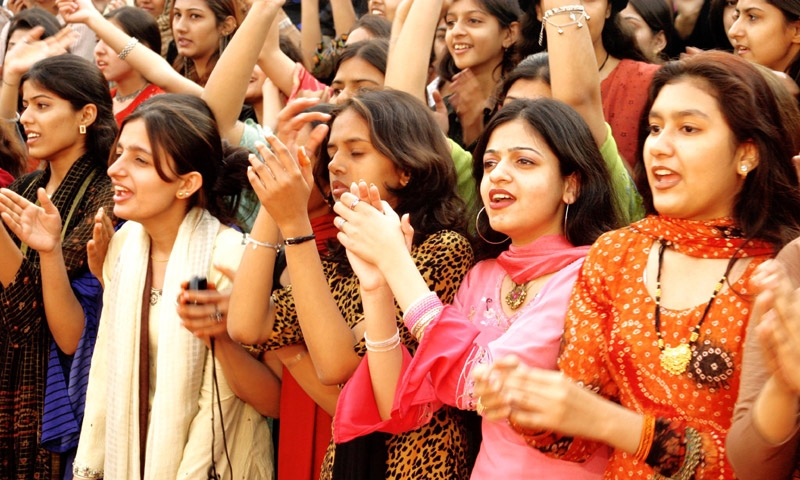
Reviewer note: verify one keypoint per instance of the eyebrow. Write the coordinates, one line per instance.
(516, 149)
(134, 148)
(691, 112)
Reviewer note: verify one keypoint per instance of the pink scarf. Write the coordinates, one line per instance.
(545, 255)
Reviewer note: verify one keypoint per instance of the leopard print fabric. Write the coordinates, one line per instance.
(437, 450)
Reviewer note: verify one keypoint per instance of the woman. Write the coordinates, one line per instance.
(625, 76)
(763, 439)
(150, 415)
(132, 88)
(652, 26)
(658, 357)
(70, 125)
(767, 32)
(481, 48)
(510, 302)
(390, 139)
(201, 30)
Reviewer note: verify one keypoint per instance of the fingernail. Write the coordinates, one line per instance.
(258, 143)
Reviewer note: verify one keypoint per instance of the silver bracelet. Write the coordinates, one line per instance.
(247, 239)
(385, 346)
(572, 10)
(128, 48)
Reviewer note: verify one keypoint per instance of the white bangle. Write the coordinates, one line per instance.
(128, 48)
(285, 23)
(247, 239)
(385, 346)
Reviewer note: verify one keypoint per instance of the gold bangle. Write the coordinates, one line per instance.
(646, 440)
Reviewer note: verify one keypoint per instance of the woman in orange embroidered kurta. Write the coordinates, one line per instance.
(655, 329)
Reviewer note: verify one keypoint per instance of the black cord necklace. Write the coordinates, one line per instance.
(608, 54)
(675, 359)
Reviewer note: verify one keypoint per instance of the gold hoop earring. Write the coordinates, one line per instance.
(478, 228)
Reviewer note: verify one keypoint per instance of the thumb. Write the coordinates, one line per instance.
(227, 271)
(408, 230)
(438, 101)
(45, 202)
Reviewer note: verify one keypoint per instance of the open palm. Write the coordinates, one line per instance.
(38, 227)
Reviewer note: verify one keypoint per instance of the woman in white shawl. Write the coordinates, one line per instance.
(151, 404)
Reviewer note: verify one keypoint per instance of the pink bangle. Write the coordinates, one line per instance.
(417, 310)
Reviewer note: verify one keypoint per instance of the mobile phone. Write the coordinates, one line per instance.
(198, 283)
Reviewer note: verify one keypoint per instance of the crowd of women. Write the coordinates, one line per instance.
(553, 239)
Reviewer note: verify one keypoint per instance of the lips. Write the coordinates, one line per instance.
(183, 42)
(338, 188)
(499, 198)
(121, 194)
(664, 178)
(32, 137)
(461, 47)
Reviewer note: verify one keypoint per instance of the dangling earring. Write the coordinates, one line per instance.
(82, 129)
(566, 215)
(478, 228)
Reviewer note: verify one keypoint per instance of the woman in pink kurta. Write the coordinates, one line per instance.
(544, 204)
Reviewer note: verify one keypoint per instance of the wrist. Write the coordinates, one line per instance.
(298, 229)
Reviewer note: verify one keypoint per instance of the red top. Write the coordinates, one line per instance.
(624, 94)
(5, 178)
(149, 91)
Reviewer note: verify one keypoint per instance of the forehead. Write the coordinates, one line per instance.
(461, 6)
(529, 88)
(686, 94)
(32, 89)
(191, 5)
(356, 69)
(517, 134)
(347, 126)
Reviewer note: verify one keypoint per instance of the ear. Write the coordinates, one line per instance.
(539, 13)
(88, 114)
(747, 158)
(189, 184)
(512, 33)
(571, 189)
(404, 177)
(227, 26)
(659, 43)
(796, 35)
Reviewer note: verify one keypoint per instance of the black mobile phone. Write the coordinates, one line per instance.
(198, 283)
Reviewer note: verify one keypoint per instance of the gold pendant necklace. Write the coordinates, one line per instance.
(675, 360)
(517, 295)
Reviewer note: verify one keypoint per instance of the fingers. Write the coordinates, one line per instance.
(283, 156)
(45, 202)
(227, 271)
(316, 138)
(408, 230)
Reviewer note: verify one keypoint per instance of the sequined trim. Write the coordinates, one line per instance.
(86, 472)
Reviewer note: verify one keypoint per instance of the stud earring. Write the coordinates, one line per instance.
(743, 169)
(181, 194)
(82, 129)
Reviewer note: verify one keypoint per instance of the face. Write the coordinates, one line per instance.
(475, 38)
(109, 63)
(439, 42)
(729, 15)
(691, 156)
(52, 125)
(139, 193)
(195, 29)
(353, 75)
(358, 35)
(526, 88)
(762, 35)
(354, 158)
(383, 8)
(153, 7)
(522, 188)
(254, 90)
(650, 43)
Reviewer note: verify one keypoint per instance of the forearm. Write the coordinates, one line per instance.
(573, 69)
(344, 16)
(65, 315)
(303, 371)
(250, 315)
(385, 366)
(249, 379)
(9, 95)
(147, 62)
(278, 67)
(404, 279)
(775, 412)
(416, 36)
(226, 87)
(311, 34)
(327, 335)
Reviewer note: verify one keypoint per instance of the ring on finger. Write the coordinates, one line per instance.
(479, 407)
(355, 202)
(217, 316)
(340, 223)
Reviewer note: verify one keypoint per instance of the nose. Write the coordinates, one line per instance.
(24, 117)
(178, 24)
(659, 145)
(343, 95)
(100, 48)
(499, 173)
(736, 28)
(335, 166)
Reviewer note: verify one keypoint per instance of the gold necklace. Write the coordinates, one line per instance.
(517, 295)
(675, 359)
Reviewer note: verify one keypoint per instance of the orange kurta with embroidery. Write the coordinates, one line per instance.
(611, 346)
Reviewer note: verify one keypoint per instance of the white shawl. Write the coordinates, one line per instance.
(179, 363)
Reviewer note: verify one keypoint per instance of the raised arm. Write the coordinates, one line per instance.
(277, 65)
(225, 90)
(574, 75)
(149, 63)
(311, 34)
(412, 37)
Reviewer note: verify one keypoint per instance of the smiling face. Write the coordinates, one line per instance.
(522, 187)
(354, 74)
(762, 34)
(383, 8)
(354, 158)
(692, 159)
(474, 37)
(140, 194)
(52, 125)
(195, 29)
